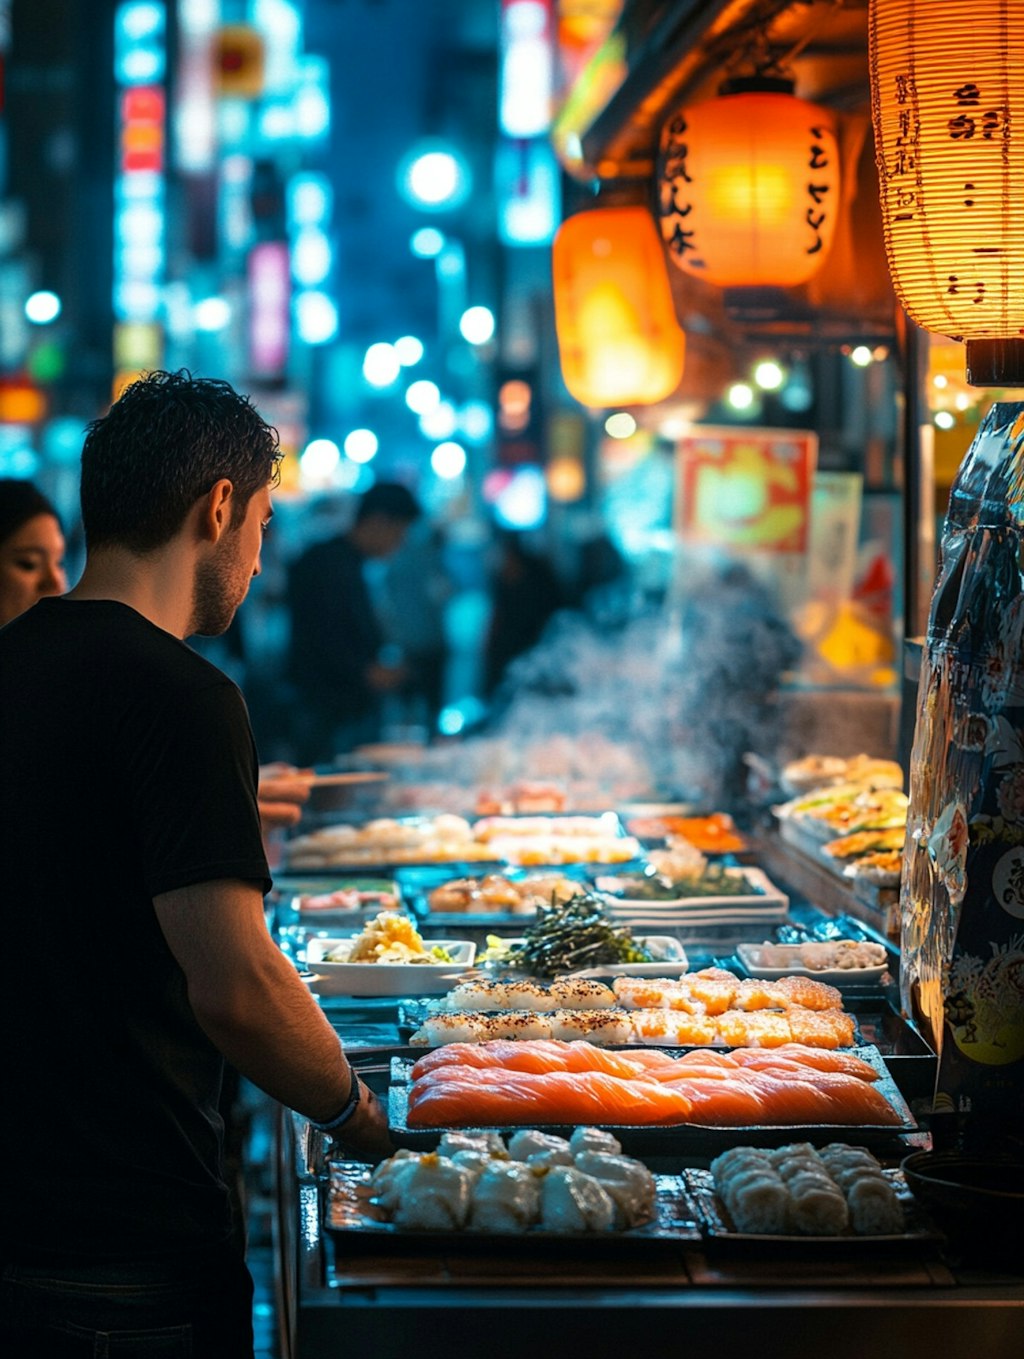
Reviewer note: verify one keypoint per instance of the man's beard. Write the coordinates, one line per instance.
(220, 586)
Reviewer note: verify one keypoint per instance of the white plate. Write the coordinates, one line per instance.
(768, 896)
(749, 921)
(749, 955)
(385, 979)
(671, 960)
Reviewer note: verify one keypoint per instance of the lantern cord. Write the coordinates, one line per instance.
(757, 55)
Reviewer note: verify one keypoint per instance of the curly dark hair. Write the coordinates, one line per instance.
(164, 443)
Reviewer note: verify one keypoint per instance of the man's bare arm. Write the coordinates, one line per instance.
(252, 1005)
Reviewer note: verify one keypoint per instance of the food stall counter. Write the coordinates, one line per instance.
(471, 1301)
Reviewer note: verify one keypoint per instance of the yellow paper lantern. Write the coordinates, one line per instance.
(748, 186)
(618, 338)
(948, 111)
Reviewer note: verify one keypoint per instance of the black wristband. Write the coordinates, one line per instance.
(351, 1105)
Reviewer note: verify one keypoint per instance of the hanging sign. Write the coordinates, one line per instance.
(745, 489)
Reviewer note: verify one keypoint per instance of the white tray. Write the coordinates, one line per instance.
(749, 955)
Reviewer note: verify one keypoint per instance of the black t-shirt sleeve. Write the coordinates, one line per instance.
(193, 775)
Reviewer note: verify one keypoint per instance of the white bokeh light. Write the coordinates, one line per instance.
(426, 243)
(522, 501)
(620, 425)
(361, 445)
(740, 396)
(422, 396)
(42, 308)
(316, 317)
(318, 462)
(448, 460)
(434, 177)
(381, 365)
(476, 325)
(769, 375)
(409, 349)
(440, 422)
(211, 314)
(476, 421)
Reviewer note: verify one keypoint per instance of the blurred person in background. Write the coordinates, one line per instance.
(338, 665)
(145, 869)
(525, 593)
(31, 548)
(416, 589)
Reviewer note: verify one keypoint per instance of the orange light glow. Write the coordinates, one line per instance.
(618, 338)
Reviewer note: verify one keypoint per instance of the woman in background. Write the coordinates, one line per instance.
(31, 548)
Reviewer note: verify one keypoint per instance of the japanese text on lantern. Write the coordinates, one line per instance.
(816, 213)
(902, 168)
(676, 203)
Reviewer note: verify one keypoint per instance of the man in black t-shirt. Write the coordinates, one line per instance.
(133, 903)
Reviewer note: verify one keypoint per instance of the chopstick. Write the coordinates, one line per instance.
(354, 776)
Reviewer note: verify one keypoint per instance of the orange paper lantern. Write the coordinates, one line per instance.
(749, 186)
(618, 338)
(948, 112)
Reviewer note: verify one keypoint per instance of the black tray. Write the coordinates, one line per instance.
(349, 1214)
(721, 1234)
(687, 1138)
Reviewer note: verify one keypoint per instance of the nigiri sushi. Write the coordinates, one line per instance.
(580, 993)
(528, 1144)
(571, 1201)
(594, 1139)
(505, 1198)
(593, 1026)
(448, 1028)
(431, 1192)
(628, 1182)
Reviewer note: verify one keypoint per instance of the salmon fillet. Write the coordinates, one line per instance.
(538, 1055)
(820, 1059)
(558, 1097)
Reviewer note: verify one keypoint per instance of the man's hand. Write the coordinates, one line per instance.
(365, 1137)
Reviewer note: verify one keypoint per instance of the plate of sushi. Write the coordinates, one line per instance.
(387, 958)
(712, 1007)
(490, 898)
(555, 1086)
(353, 900)
(836, 962)
(712, 834)
(529, 1185)
(834, 1196)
